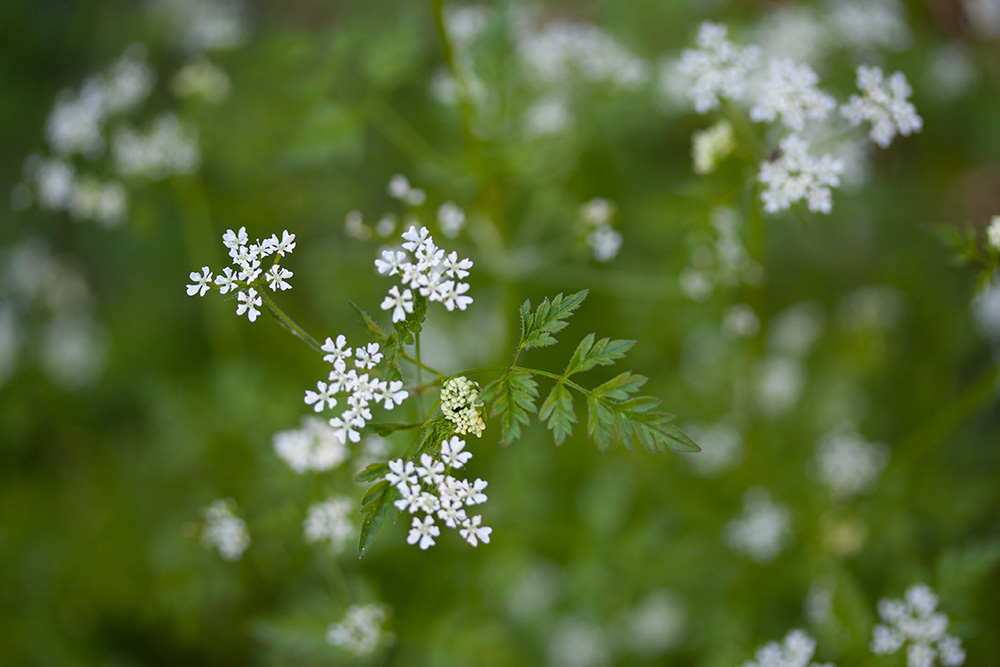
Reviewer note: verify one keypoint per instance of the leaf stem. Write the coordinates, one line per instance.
(288, 322)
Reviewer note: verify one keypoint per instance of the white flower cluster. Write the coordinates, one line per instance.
(46, 315)
(459, 405)
(595, 226)
(205, 25)
(248, 275)
(993, 233)
(428, 488)
(848, 464)
(361, 390)
(884, 104)
(796, 175)
(450, 217)
(795, 650)
(313, 447)
(711, 145)
(169, 147)
(915, 620)
(788, 93)
(433, 274)
(399, 188)
(328, 522)
(224, 530)
(717, 68)
(360, 633)
(762, 530)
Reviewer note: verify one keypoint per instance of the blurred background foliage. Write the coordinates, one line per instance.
(596, 558)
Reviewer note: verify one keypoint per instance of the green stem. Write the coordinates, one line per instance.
(288, 322)
(419, 365)
(555, 376)
(420, 378)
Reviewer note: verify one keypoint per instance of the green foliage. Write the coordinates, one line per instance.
(513, 399)
(558, 410)
(537, 328)
(375, 508)
(589, 354)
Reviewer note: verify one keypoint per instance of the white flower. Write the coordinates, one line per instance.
(410, 502)
(224, 530)
(202, 283)
(248, 303)
(795, 650)
(391, 263)
(360, 633)
(452, 454)
(328, 521)
(796, 175)
(430, 470)
(916, 621)
(718, 68)
(398, 187)
(850, 465)
(338, 351)
(400, 304)
(473, 492)
(367, 357)
(226, 280)
(233, 240)
(401, 472)
(453, 295)
(452, 513)
(322, 398)
(390, 394)
(453, 267)
(277, 278)
(473, 532)
(884, 104)
(790, 93)
(451, 218)
(344, 427)
(605, 242)
(285, 245)
(313, 447)
(423, 531)
(762, 530)
(417, 240)
(993, 233)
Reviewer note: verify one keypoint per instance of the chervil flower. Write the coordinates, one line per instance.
(337, 351)
(224, 530)
(452, 454)
(345, 428)
(429, 470)
(202, 283)
(884, 104)
(795, 650)
(416, 238)
(250, 269)
(473, 532)
(277, 278)
(796, 175)
(452, 513)
(226, 280)
(400, 304)
(233, 240)
(423, 531)
(718, 68)
(322, 398)
(451, 218)
(390, 394)
(993, 233)
(410, 502)
(401, 472)
(454, 295)
(367, 357)
(328, 522)
(248, 303)
(790, 93)
(285, 245)
(391, 262)
(915, 620)
(454, 267)
(361, 630)
(473, 492)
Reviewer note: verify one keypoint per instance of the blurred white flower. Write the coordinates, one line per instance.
(762, 530)
(795, 175)
(717, 68)
(883, 103)
(360, 632)
(328, 522)
(795, 650)
(224, 530)
(915, 621)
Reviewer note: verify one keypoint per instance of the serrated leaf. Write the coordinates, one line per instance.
(374, 508)
(589, 354)
(634, 421)
(380, 334)
(600, 423)
(513, 398)
(558, 410)
(373, 472)
(621, 386)
(550, 318)
(526, 318)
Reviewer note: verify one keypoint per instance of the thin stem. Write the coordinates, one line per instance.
(288, 322)
(420, 365)
(420, 378)
(554, 376)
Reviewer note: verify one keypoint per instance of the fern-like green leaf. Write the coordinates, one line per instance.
(558, 410)
(549, 319)
(601, 353)
(513, 397)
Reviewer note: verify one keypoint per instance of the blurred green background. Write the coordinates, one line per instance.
(126, 407)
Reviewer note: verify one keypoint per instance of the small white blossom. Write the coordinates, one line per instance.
(367, 357)
(360, 633)
(848, 464)
(453, 295)
(789, 92)
(202, 283)
(248, 303)
(452, 513)
(328, 522)
(459, 406)
(430, 470)
(410, 502)
(796, 175)
(474, 532)
(762, 530)
(717, 68)
(423, 532)
(224, 530)
(711, 145)
(345, 427)
(390, 394)
(338, 351)
(993, 233)
(323, 398)
(391, 262)
(277, 278)
(884, 104)
(314, 447)
(399, 303)
(914, 620)
(452, 454)
(226, 280)
(795, 650)
(451, 219)
(473, 492)
(401, 472)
